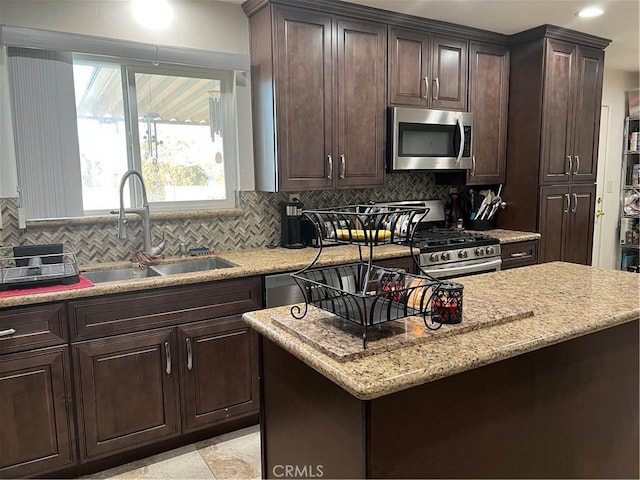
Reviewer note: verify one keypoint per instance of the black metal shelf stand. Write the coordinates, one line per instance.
(367, 294)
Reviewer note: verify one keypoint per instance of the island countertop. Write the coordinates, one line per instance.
(567, 300)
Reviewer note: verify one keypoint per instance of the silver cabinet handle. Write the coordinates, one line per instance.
(436, 94)
(568, 172)
(167, 352)
(566, 197)
(577, 164)
(189, 354)
(518, 255)
(7, 333)
(343, 165)
(426, 87)
(473, 165)
(575, 203)
(330, 158)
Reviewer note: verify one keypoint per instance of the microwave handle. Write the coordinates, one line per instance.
(461, 146)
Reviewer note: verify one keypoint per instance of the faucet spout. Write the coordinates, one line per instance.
(142, 212)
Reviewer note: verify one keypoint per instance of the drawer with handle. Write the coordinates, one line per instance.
(519, 254)
(32, 327)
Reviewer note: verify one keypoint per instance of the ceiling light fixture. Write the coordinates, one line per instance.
(589, 12)
(152, 14)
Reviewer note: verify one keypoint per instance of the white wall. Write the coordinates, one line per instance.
(207, 25)
(616, 83)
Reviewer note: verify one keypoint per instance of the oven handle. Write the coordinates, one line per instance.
(477, 267)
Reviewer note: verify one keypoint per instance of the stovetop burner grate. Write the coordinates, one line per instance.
(443, 238)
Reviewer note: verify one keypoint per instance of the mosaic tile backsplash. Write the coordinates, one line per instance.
(257, 225)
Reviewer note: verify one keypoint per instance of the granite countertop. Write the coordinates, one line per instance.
(256, 261)
(511, 236)
(250, 262)
(567, 301)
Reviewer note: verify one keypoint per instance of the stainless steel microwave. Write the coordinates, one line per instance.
(423, 139)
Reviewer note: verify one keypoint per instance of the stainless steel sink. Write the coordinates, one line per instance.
(116, 274)
(185, 266)
(188, 266)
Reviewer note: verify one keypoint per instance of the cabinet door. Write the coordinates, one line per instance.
(361, 103)
(36, 424)
(219, 365)
(579, 238)
(449, 72)
(304, 97)
(127, 391)
(587, 118)
(488, 99)
(557, 119)
(409, 67)
(555, 203)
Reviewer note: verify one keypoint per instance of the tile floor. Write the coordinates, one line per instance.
(234, 455)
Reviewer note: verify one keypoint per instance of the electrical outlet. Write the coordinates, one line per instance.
(294, 197)
(609, 186)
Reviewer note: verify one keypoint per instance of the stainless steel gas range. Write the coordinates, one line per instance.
(448, 252)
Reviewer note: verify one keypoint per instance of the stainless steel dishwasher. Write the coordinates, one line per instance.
(281, 289)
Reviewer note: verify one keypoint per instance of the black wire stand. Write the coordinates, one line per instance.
(367, 294)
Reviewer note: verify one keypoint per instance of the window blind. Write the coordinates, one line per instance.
(45, 133)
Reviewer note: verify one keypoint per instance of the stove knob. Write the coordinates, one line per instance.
(491, 250)
(446, 256)
(462, 254)
(479, 252)
(434, 257)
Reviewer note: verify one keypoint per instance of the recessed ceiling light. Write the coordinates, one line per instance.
(589, 12)
(152, 14)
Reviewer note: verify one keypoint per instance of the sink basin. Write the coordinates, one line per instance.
(187, 266)
(116, 274)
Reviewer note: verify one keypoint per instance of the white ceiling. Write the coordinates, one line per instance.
(620, 22)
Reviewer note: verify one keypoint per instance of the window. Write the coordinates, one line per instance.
(81, 120)
(179, 136)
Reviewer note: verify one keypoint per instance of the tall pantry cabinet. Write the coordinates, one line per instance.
(554, 122)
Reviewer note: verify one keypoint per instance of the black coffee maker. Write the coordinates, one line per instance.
(291, 225)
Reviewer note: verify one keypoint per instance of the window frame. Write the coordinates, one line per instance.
(129, 69)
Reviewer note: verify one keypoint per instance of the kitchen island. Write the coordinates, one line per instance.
(554, 394)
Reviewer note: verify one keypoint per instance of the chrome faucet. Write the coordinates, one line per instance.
(143, 212)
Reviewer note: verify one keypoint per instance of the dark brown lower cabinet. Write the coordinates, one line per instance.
(36, 420)
(140, 388)
(219, 366)
(519, 254)
(568, 410)
(127, 391)
(566, 223)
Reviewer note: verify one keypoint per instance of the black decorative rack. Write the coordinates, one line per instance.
(367, 294)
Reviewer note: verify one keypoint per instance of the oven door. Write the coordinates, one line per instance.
(461, 269)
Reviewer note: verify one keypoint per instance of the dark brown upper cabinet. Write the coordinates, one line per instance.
(319, 102)
(427, 70)
(488, 101)
(571, 118)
